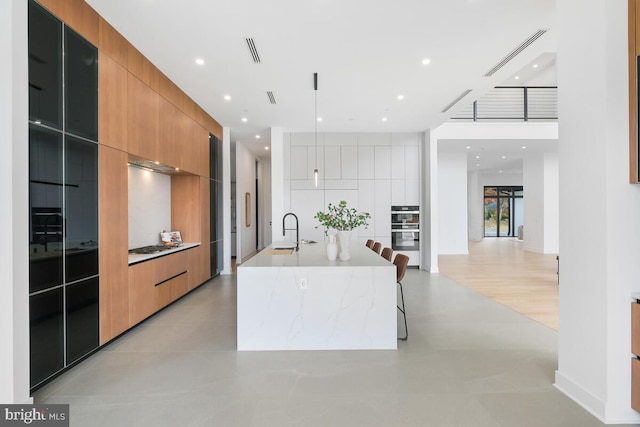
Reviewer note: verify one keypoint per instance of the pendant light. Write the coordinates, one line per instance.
(315, 122)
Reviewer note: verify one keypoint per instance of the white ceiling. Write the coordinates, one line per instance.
(366, 52)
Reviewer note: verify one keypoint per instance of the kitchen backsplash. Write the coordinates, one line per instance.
(149, 206)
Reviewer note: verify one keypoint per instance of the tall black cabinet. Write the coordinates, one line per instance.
(215, 209)
(63, 195)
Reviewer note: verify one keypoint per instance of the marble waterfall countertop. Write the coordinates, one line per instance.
(303, 301)
(314, 255)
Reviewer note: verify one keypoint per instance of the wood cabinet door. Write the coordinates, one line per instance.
(143, 113)
(142, 300)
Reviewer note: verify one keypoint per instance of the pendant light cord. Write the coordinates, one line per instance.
(315, 121)
(315, 124)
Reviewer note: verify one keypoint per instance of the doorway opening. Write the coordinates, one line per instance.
(503, 208)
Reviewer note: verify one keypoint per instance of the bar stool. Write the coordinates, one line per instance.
(401, 261)
(377, 247)
(370, 243)
(387, 253)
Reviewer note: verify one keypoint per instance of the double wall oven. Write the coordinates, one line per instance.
(405, 228)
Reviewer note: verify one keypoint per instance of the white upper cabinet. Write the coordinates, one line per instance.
(412, 163)
(366, 162)
(398, 192)
(397, 162)
(366, 203)
(332, 163)
(349, 162)
(299, 166)
(383, 162)
(382, 226)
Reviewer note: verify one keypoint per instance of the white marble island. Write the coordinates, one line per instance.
(303, 301)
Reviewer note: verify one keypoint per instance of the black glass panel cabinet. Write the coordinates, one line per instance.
(63, 196)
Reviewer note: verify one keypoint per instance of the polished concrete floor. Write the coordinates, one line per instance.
(469, 361)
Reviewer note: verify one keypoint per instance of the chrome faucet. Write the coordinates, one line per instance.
(297, 229)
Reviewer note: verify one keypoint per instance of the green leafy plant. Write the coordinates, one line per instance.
(341, 218)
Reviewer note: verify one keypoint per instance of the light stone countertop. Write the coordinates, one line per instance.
(315, 255)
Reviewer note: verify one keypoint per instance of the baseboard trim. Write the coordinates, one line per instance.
(595, 406)
(582, 397)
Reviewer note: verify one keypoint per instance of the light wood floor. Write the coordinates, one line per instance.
(500, 269)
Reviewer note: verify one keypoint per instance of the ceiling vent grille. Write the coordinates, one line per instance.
(455, 101)
(254, 52)
(515, 52)
(272, 99)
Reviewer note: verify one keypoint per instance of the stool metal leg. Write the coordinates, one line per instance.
(406, 331)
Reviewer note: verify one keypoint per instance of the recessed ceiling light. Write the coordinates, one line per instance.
(384, 119)
(426, 61)
(524, 147)
(177, 169)
(535, 65)
(517, 77)
(504, 157)
(477, 157)
(499, 171)
(266, 148)
(319, 119)
(227, 97)
(257, 136)
(468, 147)
(199, 61)
(400, 97)
(478, 164)
(244, 119)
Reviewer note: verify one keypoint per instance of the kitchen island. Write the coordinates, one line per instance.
(290, 300)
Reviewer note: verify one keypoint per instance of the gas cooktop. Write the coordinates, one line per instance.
(146, 250)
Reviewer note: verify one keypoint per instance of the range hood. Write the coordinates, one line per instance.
(154, 166)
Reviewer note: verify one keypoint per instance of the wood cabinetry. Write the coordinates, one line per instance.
(143, 113)
(190, 214)
(113, 219)
(156, 283)
(142, 280)
(171, 278)
(112, 111)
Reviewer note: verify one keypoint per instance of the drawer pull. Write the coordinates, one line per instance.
(171, 278)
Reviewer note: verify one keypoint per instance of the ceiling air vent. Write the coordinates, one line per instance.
(455, 101)
(272, 99)
(253, 50)
(515, 52)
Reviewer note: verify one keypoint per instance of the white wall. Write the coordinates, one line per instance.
(452, 203)
(14, 175)
(475, 207)
(541, 200)
(245, 183)
(599, 209)
(534, 206)
(551, 204)
(429, 195)
(149, 206)
(226, 192)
